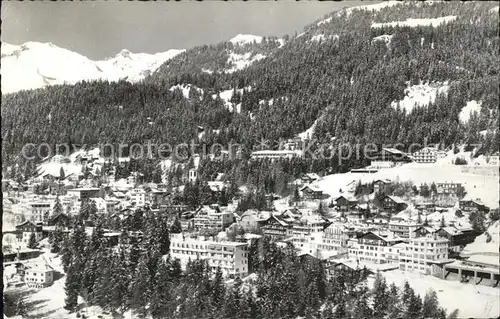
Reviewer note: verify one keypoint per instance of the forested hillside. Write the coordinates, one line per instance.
(348, 72)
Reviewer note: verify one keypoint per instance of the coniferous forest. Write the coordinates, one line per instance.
(346, 82)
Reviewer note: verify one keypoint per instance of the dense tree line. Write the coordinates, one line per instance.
(346, 83)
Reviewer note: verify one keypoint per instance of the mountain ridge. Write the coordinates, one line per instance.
(338, 75)
(24, 66)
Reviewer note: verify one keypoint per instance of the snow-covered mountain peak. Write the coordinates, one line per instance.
(245, 38)
(34, 65)
(124, 53)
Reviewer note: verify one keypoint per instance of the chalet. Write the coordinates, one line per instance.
(60, 220)
(470, 205)
(380, 184)
(388, 157)
(424, 231)
(311, 192)
(276, 228)
(252, 219)
(425, 207)
(344, 203)
(27, 228)
(448, 189)
(393, 204)
(457, 237)
(308, 178)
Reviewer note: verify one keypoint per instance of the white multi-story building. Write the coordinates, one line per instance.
(231, 257)
(428, 155)
(403, 229)
(272, 154)
(211, 217)
(335, 238)
(39, 276)
(308, 224)
(421, 253)
(373, 247)
(308, 243)
(40, 211)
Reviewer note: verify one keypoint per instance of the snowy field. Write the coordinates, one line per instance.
(471, 301)
(485, 187)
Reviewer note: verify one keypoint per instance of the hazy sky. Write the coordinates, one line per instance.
(101, 29)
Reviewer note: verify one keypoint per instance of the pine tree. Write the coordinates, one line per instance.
(21, 308)
(380, 296)
(430, 307)
(443, 224)
(100, 276)
(32, 244)
(163, 235)
(119, 283)
(71, 288)
(58, 209)
(453, 314)
(66, 254)
(62, 176)
(161, 294)
(424, 190)
(361, 306)
(394, 303)
(218, 292)
(415, 308)
(176, 227)
(139, 292)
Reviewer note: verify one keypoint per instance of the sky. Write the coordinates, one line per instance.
(101, 29)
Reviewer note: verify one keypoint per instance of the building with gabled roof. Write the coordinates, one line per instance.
(276, 228)
(311, 192)
(38, 276)
(372, 247)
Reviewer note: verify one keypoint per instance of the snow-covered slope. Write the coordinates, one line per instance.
(470, 108)
(434, 22)
(245, 38)
(34, 65)
(481, 245)
(420, 95)
(134, 66)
